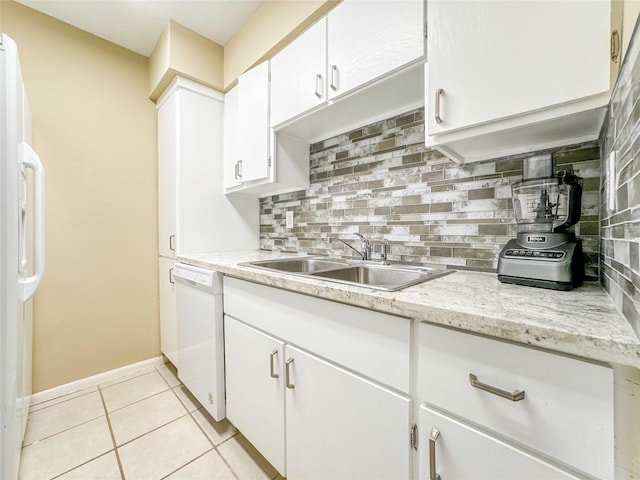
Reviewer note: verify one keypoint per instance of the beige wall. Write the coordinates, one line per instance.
(184, 52)
(95, 130)
(274, 24)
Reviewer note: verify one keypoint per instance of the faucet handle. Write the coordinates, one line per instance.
(384, 249)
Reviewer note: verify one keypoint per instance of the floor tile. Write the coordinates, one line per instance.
(54, 401)
(207, 467)
(187, 399)
(102, 468)
(62, 416)
(245, 460)
(64, 451)
(141, 417)
(169, 374)
(130, 391)
(164, 450)
(217, 432)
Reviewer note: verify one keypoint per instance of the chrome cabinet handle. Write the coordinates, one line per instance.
(236, 173)
(272, 368)
(615, 46)
(171, 280)
(319, 85)
(433, 436)
(239, 170)
(288, 374)
(514, 396)
(334, 77)
(172, 242)
(439, 93)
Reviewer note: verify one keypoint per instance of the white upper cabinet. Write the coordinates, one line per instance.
(253, 121)
(368, 39)
(529, 67)
(361, 63)
(231, 140)
(298, 75)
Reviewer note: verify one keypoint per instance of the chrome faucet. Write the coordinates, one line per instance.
(365, 254)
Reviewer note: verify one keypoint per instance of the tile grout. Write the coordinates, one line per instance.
(113, 438)
(201, 425)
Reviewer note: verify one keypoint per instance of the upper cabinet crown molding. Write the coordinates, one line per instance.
(510, 77)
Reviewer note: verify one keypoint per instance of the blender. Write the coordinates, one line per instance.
(545, 252)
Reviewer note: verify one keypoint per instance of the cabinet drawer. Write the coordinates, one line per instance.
(462, 452)
(371, 343)
(567, 409)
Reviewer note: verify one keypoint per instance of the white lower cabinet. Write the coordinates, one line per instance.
(306, 396)
(339, 425)
(255, 388)
(168, 323)
(455, 451)
(526, 400)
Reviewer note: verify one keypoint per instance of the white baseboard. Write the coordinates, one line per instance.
(95, 380)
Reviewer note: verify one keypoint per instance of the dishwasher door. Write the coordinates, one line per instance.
(200, 336)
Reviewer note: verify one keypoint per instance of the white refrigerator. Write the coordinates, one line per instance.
(21, 255)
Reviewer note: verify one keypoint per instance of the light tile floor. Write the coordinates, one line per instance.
(143, 427)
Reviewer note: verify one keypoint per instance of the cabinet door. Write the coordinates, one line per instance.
(231, 139)
(340, 425)
(167, 155)
(461, 452)
(298, 75)
(253, 116)
(254, 385)
(493, 60)
(367, 39)
(168, 325)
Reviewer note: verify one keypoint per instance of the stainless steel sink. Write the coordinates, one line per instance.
(299, 264)
(381, 277)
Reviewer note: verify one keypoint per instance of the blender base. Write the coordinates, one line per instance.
(532, 282)
(547, 260)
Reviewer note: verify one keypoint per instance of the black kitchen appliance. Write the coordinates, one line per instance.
(545, 252)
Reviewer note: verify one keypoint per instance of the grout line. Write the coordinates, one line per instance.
(81, 464)
(113, 438)
(58, 433)
(188, 463)
(150, 431)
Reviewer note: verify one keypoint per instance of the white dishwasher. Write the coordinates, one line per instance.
(200, 335)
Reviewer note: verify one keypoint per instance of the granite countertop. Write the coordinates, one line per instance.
(582, 322)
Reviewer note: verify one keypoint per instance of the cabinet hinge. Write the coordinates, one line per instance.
(426, 30)
(269, 161)
(413, 437)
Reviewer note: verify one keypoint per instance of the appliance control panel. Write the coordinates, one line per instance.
(194, 275)
(535, 254)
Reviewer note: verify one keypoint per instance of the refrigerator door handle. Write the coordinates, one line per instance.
(29, 285)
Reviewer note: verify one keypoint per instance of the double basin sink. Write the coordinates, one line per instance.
(389, 278)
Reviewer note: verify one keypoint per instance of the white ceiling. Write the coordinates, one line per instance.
(137, 24)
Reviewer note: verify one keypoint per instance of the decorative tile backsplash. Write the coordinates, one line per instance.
(381, 181)
(620, 208)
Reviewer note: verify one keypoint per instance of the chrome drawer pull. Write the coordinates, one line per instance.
(515, 396)
(433, 436)
(288, 374)
(272, 369)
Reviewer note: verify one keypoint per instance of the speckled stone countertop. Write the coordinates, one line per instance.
(582, 322)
